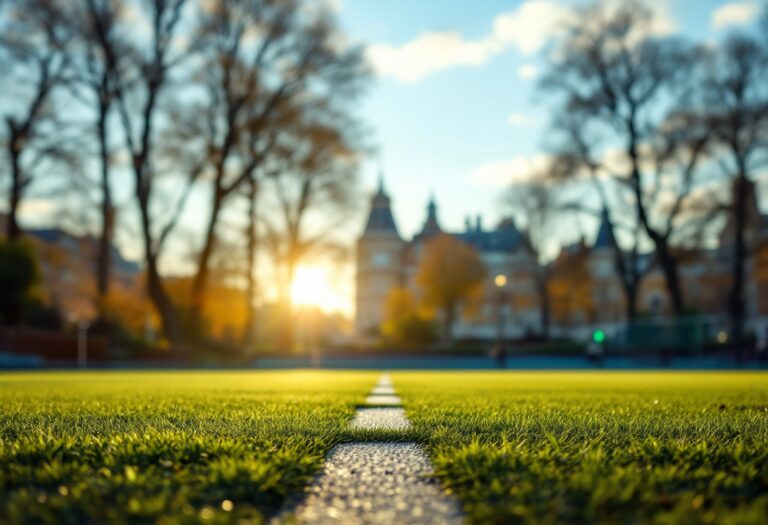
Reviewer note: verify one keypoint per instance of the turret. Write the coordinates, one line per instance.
(604, 238)
(380, 219)
(379, 252)
(431, 225)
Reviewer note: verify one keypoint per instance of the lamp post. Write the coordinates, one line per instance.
(501, 282)
(82, 344)
(81, 327)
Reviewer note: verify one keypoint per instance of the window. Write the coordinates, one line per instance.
(380, 259)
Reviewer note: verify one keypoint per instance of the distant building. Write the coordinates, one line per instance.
(68, 268)
(585, 289)
(386, 260)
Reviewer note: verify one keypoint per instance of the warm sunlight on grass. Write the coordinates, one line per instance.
(312, 286)
(166, 447)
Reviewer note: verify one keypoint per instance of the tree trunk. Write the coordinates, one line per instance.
(671, 276)
(736, 299)
(252, 235)
(627, 275)
(13, 229)
(660, 242)
(155, 289)
(104, 256)
(165, 307)
(14, 150)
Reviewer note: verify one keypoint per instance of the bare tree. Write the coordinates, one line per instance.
(735, 106)
(616, 74)
(34, 38)
(137, 95)
(536, 202)
(311, 193)
(98, 54)
(266, 63)
(573, 158)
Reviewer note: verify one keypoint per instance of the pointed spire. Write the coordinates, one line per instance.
(380, 218)
(431, 206)
(604, 238)
(381, 181)
(431, 225)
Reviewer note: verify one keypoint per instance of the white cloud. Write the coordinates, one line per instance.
(527, 71)
(505, 172)
(526, 29)
(427, 54)
(662, 22)
(519, 120)
(735, 13)
(316, 7)
(530, 26)
(35, 207)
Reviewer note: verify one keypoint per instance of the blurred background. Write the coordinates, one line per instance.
(350, 183)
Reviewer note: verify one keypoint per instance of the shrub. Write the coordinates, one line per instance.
(19, 273)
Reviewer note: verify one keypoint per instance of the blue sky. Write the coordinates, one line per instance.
(464, 130)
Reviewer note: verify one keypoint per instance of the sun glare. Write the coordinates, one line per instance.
(312, 286)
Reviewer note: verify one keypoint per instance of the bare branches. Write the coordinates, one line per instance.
(268, 67)
(735, 111)
(615, 75)
(34, 36)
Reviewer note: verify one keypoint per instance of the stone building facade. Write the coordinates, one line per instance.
(385, 260)
(585, 291)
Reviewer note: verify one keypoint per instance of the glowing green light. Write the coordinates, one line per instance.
(598, 336)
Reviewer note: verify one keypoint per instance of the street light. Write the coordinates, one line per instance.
(82, 344)
(501, 282)
(81, 326)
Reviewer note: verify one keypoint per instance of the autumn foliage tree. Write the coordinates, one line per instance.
(570, 287)
(404, 319)
(451, 274)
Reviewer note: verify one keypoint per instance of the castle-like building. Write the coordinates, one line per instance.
(385, 260)
(584, 289)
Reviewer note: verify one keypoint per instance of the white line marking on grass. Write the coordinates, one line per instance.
(384, 380)
(378, 483)
(384, 418)
(383, 400)
(383, 391)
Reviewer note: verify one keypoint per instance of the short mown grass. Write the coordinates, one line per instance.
(515, 447)
(644, 447)
(176, 447)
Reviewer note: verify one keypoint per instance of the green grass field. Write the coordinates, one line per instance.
(528, 447)
(519, 447)
(165, 447)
